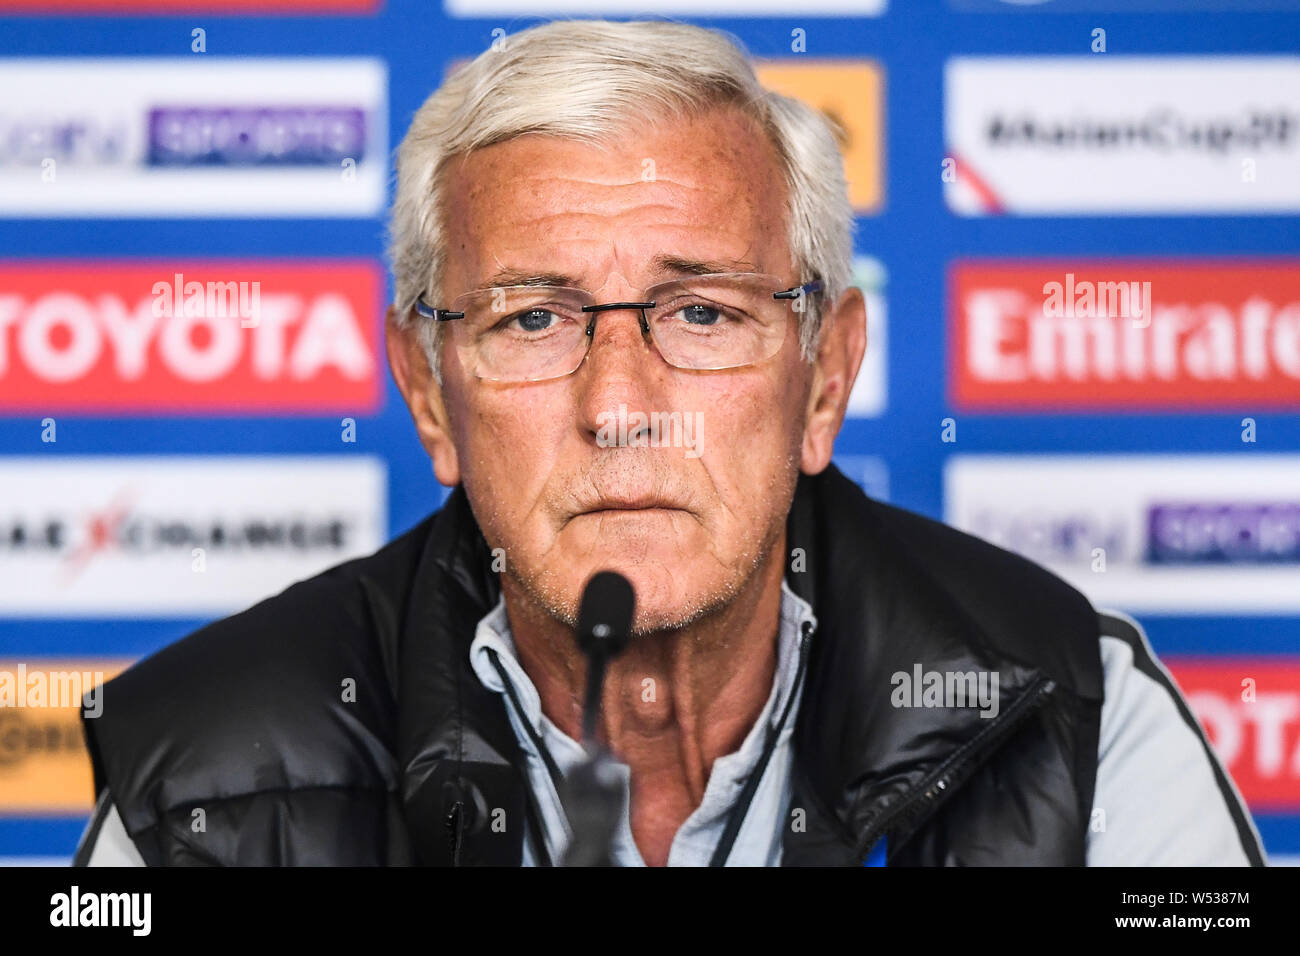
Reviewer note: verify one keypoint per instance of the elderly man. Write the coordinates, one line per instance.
(598, 229)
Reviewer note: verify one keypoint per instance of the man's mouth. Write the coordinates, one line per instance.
(628, 505)
(638, 504)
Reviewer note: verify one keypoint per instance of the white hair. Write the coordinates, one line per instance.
(589, 80)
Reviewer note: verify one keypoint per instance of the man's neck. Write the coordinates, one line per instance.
(673, 702)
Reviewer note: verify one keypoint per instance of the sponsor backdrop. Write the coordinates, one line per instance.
(1078, 235)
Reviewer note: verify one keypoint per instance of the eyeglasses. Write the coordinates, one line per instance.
(530, 333)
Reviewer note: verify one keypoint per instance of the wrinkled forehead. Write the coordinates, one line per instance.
(631, 212)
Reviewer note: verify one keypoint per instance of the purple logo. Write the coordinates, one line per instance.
(1224, 533)
(256, 136)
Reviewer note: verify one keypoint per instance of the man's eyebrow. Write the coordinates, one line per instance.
(664, 264)
(525, 277)
(679, 265)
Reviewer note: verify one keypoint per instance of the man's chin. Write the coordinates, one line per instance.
(655, 549)
(667, 555)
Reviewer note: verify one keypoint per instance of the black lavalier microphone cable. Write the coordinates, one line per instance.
(741, 808)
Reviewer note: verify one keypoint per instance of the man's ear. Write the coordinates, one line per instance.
(422, 394)
(842, 343)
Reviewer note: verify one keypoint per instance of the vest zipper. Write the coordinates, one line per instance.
(928, 794)
(455, 831)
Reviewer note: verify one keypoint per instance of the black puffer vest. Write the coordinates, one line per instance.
(340, 722)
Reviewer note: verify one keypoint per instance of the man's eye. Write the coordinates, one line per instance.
(535, 320)
(700, 314)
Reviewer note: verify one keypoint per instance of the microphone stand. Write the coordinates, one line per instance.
(592, 792)
(593, 800)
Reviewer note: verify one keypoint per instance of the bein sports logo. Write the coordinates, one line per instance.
(1175, 533)
(1223, 532)
(191, 136)
(1169, 534)
(256, 136)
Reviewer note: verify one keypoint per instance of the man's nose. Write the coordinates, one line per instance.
(620, 338)
(622, 366)
(616, 328)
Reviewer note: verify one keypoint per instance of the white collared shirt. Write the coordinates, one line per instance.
(758, 842)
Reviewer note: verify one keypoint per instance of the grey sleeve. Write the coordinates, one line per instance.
(1162, 797)
(105, 841)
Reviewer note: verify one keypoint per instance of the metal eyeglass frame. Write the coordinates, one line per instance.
(446, 315)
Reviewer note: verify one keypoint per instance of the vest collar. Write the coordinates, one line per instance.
(864, 765)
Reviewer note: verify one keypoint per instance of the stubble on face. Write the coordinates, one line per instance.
(547, 590)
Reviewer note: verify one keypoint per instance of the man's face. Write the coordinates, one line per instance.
(688, 526)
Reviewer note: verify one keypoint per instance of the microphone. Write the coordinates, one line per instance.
(592, 797)
(604, 629)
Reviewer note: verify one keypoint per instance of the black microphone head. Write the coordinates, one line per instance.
(605, 615)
